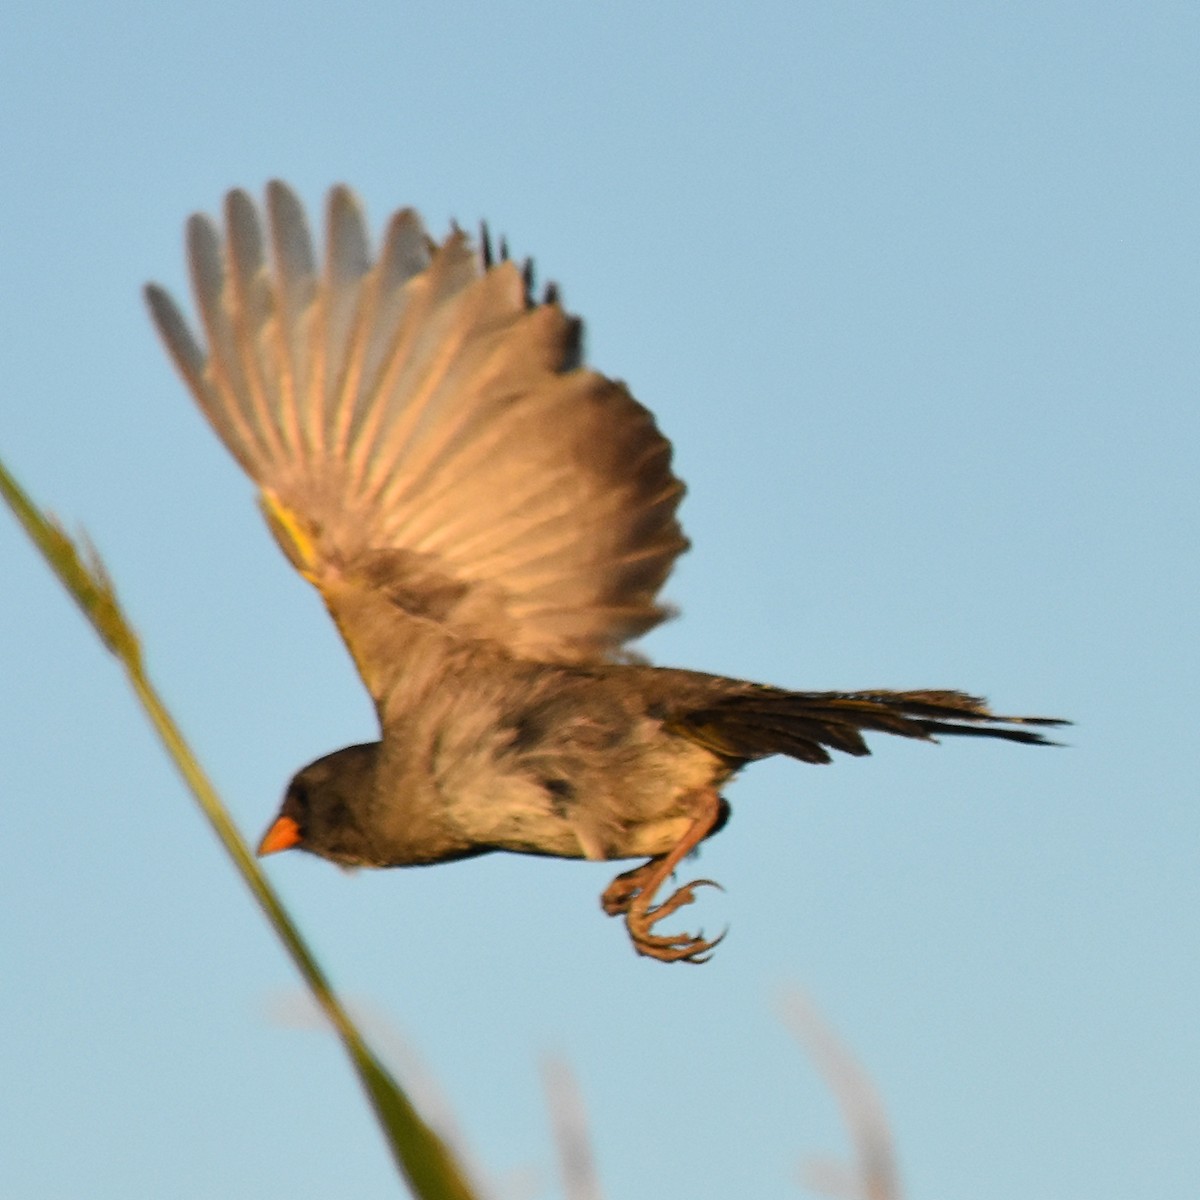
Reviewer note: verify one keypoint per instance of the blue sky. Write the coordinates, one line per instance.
(913, 288)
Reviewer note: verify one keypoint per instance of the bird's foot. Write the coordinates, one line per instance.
(640, 919)
(632, 893)
(627, 886)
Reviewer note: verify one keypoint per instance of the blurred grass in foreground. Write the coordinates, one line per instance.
(422, 1157)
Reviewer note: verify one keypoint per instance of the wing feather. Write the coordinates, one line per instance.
(428, 445)
(228, 391)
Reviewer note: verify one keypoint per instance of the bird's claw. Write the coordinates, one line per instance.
(678, 947)
(621, 893)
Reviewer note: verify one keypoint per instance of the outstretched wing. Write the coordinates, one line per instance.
(426, 443)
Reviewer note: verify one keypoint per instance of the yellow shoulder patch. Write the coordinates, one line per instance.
(293, 538)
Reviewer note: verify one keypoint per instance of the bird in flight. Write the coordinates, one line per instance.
(488, 522)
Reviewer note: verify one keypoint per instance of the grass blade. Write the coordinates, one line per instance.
(422, 1157)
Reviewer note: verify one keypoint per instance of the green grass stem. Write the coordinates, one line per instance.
(422, 1157)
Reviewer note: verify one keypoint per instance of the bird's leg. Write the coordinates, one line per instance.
(632, 893)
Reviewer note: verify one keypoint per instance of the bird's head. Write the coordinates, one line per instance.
(325, 808)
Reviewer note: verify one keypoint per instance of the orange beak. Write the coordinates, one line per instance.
(283, 835)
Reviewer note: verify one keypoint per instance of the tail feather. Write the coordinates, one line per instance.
(759, 722)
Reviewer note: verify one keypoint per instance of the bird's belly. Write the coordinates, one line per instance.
(521, 817)
(563, 795)
(516, 815)
(558, 838)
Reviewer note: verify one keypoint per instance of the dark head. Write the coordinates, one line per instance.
(325, 808)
